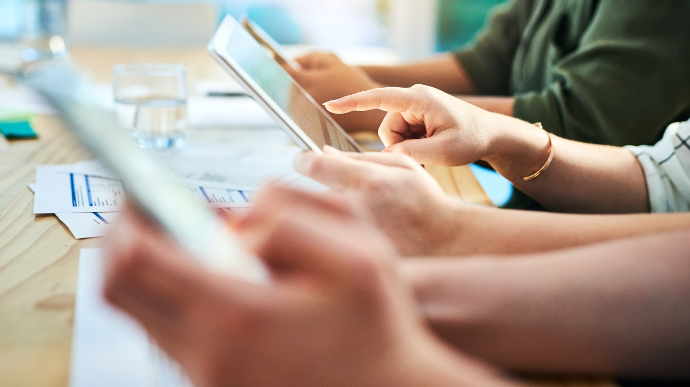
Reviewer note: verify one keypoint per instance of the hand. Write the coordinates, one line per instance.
(335, 313)
(407, 203)
(436, 128)
(325, 77)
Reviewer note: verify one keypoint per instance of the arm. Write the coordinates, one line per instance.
(583, 178)
(622, 83)
(409, 206)
(336, 313)
(435, 128)
(620, 308)
(488, 60)
(500, 105)
(483, 67)
(443, 72)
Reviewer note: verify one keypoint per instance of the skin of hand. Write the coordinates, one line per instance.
(334, 314)
(431, 126)
(435, 128)
(325, 77)
(420, 220)
(407, 204)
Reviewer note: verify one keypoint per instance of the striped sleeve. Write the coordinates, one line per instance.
(667, 169)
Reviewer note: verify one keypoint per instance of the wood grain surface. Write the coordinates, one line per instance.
(38, 264)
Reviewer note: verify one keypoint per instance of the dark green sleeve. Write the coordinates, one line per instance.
(488, 59)
(628, 79)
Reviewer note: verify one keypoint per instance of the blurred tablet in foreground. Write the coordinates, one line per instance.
(192, 224)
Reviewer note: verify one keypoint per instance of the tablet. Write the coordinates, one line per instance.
(193, 225)
(268, 43)
(307, 123)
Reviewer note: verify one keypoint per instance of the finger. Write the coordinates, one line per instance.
(146, 265)
(388, 159)
(308, 238)
(316, 60)
(168, 293)
(122, 285)
(304, 60)
(176, 336)
(276, 200)
(307, 61)
(276, 208)
(335, 172)
(389, 99)
(323, 60)
(163, 330)
(153, 271)
(230, 215)
(339, 249)
(394, 129)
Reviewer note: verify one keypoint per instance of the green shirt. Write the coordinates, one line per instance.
(604, 71)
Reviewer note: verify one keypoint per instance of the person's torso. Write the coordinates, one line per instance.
(553, 31)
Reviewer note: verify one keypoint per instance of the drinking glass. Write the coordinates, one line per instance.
(43, 29)
(151, 102)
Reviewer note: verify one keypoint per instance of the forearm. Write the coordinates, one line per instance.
(620, 308)
(500, 105)
(443, 72)
(581, 178)
(482, 230)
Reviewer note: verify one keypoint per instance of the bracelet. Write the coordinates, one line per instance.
(548, 161)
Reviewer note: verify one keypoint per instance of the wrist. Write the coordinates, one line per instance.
(429, 362)
(445, 237)
(519, 148)
(430, 359)
(459, 237)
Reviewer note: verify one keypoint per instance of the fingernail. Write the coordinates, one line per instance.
(386, 150)
(330, 150)
(328, 102)
(303, 162)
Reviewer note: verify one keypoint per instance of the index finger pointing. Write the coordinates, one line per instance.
(389, 99)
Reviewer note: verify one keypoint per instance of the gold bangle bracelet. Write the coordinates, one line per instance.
(548, 161)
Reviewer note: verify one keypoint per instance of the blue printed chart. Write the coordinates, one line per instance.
(87, 198)
(60, 191)
(223, 197)
(95, 191)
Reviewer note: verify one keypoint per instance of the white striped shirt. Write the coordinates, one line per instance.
(667, 169)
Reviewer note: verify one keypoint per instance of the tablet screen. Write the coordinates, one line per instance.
(282, 89)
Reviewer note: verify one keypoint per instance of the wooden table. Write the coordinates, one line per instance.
(39, 256)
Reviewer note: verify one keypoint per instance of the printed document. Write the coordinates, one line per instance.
(85, 224)
(59, 190)
(88, 224)
(109, 348)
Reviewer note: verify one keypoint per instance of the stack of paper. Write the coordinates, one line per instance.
(86, 197)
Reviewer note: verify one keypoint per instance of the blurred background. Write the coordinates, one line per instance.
(413, 28)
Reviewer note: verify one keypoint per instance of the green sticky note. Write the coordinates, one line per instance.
(17, 130)
(14, 116)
